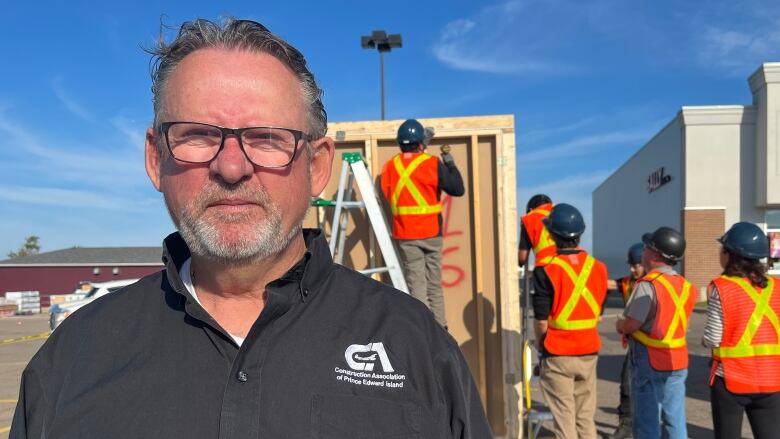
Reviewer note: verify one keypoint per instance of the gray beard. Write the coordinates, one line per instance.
(263, 239)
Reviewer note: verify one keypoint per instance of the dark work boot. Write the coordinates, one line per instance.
(623, 430)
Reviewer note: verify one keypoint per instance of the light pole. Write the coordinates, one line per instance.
(382, 42)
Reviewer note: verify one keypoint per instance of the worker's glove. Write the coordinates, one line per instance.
(446, 157)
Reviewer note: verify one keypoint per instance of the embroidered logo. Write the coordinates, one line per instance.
(362, 360)
(367, 362)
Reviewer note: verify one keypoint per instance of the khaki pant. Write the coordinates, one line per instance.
(569, 388)
(421, 261)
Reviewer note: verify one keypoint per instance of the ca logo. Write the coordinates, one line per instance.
(364, 356)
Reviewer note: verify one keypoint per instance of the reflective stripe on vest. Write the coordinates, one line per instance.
(580, 291)
(627, 283)
(545, 240)
(745, 346)
(405, 181)
(669, 342)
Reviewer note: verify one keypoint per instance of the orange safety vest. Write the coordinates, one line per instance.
(410, 182)
(750, 347)
(666, 343)
(580, 285)
(626, 287)
(541, 241)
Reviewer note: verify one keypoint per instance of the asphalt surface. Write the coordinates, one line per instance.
(697, 401)
(21, 337)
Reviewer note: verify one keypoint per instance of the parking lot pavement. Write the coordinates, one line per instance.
(20, 338)
(697, 401)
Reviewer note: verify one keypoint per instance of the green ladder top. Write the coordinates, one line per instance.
(321, 202)
(352, 157)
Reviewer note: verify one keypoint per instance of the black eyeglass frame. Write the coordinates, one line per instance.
(298, 135)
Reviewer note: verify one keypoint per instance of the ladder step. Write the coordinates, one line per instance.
(353, 170)
(321, 202)
(369, 271)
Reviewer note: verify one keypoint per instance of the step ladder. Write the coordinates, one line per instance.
(353, 170)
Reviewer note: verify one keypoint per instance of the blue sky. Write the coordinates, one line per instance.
(589, 82)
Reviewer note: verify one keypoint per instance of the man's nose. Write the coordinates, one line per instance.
(232, 164)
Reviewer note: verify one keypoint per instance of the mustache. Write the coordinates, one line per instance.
(219, 190)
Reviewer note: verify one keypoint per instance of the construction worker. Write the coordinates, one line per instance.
(744, 334)
(570, 288)
(533, 234)
(412, 182)
(656, 318)
(624, 286)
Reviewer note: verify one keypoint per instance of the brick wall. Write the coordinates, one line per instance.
(701, 228)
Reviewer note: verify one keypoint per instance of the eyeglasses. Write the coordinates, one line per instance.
(267, 147)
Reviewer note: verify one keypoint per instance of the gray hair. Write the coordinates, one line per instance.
(235, 34)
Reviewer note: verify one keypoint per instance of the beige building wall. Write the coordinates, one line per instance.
(624, 209)
(720, 158)
(765, 85)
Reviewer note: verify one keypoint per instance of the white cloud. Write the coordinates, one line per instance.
(582, 146)
(134, 133)
(48, 196)
(46, 160)
(739, 51)
(70, 103)
(535, 135)
(489, 43)
(558, 37)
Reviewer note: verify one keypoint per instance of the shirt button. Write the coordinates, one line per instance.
(242, 376)
(305, 292)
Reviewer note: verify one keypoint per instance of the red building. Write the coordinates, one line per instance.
(59, 271)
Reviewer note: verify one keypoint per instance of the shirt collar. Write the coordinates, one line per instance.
(309, 272)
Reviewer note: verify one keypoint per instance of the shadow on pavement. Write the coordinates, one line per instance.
(698, 382)
(696, 432)
(609, 367)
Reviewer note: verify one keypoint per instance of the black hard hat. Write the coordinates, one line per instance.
(536, 201)
(565, 221)
(635, 254)
(411, 132)
(667, 242)
(747, 240)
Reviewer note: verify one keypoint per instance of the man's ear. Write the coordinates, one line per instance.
(153, 158)
(321, 164)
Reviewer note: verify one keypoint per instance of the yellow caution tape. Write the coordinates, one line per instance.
(40, 336)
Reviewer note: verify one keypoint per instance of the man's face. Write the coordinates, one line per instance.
(229, 209)
(637, 270)
(648, 256)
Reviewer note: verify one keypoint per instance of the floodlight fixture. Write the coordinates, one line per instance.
(382, 42)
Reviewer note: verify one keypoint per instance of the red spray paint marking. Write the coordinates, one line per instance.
(451, 275)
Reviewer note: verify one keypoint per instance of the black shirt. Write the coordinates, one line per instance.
(450, 180)
(334, 354)
(525, 240)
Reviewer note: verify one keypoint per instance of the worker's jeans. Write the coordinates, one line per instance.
(657, 398)
(421, 260)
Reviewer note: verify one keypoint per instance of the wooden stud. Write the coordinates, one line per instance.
(476, 215)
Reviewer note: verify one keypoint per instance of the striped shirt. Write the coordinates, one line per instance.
(713, 330)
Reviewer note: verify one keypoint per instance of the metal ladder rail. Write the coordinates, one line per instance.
(353, 170)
